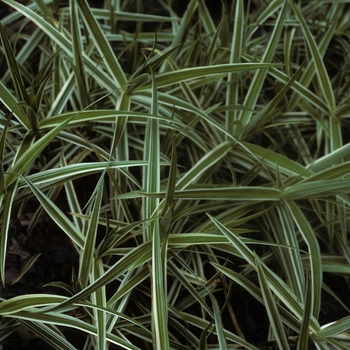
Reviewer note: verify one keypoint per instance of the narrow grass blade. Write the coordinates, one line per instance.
(316, 189)
(335, 172)
(2, 153)
(159, 292)
(320, 68)
(72, 199)
(303, 340)
(64, 43)
(167, 211)
(159, 263)
(71, 322)
(7, 205)
(56, 214)
(282, 225)
(201, 323)
(26, 267)
(180, 31)
(239, 193)
(286, 165)
(288, 318)
(50, 334)
(87, 256)
(303, 92)
(283, 292)
(99, 298)
(211, 158)
(323, 45)
(151, 179)
(334, 328)
(219, 325)
(194, 294)
(266, 12)
(232, 95)
(40, 303)
(80, 75)
(259, 77)
(315, 255)
(262, 118)
(271, 308)
(136, 257)
(330, 159)
(29, 156)
(12, 104)
(106, 52)
(54, 177)
(13, 68)
(170, 78)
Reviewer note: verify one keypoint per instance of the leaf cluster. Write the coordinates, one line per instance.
(214, 152)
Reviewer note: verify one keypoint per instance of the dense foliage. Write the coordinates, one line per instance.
(175, 176)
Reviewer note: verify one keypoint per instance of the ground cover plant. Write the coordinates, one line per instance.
(174, 175)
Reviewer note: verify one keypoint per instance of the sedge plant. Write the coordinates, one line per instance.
(196, 162)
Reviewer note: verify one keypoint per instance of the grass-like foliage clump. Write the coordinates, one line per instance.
(175, 177)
